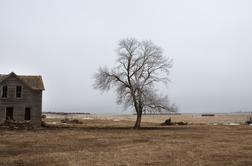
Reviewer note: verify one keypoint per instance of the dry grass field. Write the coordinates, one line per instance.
(109, 142)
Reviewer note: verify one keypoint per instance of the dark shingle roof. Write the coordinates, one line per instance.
(33, 82)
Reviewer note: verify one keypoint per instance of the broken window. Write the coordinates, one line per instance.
(4, 91)
(18, 91)
(9, 113)
(27, 113)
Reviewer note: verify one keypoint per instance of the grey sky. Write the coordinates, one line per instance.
(66, 42)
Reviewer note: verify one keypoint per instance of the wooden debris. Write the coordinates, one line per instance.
(249, 122)
(71, 121)
(168, 122)
(207, 115)
(16, 125)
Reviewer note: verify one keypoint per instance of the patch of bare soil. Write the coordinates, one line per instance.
(106, 142)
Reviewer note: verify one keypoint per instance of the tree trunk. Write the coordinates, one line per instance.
(138, 120)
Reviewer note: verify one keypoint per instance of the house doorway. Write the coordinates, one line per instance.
(9, 113)
(27, 113)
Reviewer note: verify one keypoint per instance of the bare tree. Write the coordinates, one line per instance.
(140, 66)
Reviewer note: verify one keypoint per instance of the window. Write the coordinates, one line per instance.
(9, 113)
(27, 113)
(18, 91)
(4, 91)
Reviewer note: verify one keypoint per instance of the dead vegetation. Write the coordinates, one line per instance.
(71, 121)
(16, 125)
(107, 142)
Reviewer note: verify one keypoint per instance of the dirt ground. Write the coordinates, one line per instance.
(112, 142)
(191, 118)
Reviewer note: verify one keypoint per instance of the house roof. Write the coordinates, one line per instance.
(32, 81)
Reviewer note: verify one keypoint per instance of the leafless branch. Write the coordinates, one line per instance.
(140, 66)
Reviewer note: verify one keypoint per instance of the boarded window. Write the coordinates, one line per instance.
(27, 113)
(18, 91)
(9, 113)
(4, 91)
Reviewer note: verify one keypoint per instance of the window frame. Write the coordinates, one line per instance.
(21, 93)
(30, 111)
(6, 110)
(2, 92)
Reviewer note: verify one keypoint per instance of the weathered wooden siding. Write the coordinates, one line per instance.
(30, 98)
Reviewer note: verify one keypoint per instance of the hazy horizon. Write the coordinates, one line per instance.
(67, 41)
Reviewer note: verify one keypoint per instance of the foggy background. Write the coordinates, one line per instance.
(66, 42)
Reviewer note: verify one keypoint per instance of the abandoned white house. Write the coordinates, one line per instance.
(21, 98)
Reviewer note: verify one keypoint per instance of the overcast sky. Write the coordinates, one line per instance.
(210, 42)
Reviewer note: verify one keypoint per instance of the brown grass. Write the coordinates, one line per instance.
(107, 142)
